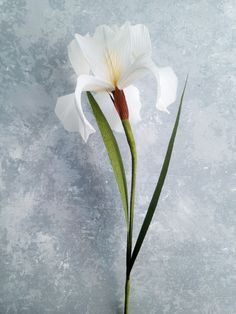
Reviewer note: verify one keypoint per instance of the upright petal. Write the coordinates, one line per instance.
(108, 108)
(108, 52)
(140, 41)
(93, 49)
(119, 49)
(77, 60)
(72, 121)
(139, 68)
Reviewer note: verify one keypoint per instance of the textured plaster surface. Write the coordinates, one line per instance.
(62, 230)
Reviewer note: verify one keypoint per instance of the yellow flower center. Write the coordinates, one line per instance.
(114, 66)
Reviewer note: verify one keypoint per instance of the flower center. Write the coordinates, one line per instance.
(114, 66)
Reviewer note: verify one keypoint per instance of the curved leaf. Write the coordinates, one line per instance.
(160, 183)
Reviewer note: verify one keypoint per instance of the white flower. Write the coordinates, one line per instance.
(112, 59)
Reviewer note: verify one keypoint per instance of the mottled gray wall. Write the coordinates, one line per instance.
(62, 233)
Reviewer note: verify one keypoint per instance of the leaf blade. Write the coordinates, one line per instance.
(158, 189)
(113, 152)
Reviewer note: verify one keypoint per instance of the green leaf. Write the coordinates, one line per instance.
(113, 152)
(160, 183)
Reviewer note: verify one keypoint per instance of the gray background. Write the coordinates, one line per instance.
(62, 231)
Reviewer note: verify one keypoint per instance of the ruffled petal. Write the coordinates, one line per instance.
(72, 120)
(77, 60)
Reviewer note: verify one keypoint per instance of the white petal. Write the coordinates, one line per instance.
(69, 109)
(134, 104)
(108, 108)
(104, 33)
(120, 48)
(167, 81)
(167, 87)
(139, 68)
(94, 51)
(108, 52)
(92, 83)
(141, 42)
(141, 54)
(77, 60)
(66, 111)
(88, 83)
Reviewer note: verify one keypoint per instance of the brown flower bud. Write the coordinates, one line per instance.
(121, 104)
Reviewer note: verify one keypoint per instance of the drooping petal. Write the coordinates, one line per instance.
(166, 79)
(134, 104)
(88, 83)
(69, 108)
(167, 87)
(72, 121)
(108, 108)
(77, 60)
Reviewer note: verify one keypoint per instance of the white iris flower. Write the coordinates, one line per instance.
(113, 59)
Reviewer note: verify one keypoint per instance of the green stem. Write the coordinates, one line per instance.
(127, 294)
(132, 146)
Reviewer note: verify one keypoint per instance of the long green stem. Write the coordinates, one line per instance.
(132, 146)
(127, 294)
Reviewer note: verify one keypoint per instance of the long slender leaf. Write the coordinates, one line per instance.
(160, 183)
(112, 150)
